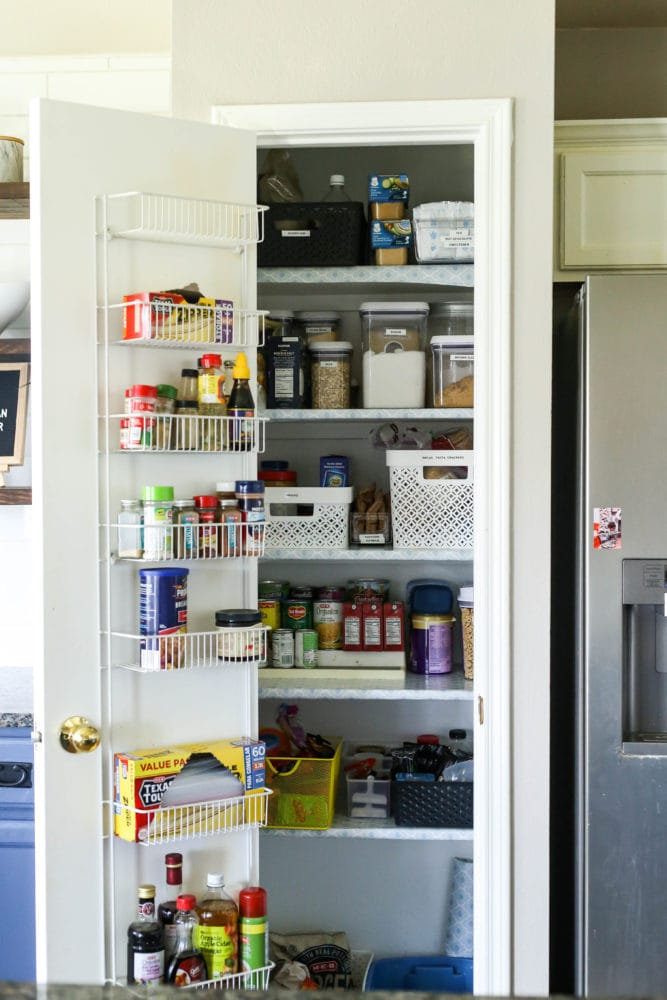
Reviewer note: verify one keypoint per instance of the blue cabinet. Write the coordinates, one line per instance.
(17, 856)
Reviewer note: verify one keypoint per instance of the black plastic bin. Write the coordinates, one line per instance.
(313, 234)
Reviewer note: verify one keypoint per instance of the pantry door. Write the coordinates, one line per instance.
(487, 124)
(77, 154)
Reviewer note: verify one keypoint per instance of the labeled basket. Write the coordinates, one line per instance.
(304, 790)
(308, 518)
(433, 803)
(432, 498)
(313, 234)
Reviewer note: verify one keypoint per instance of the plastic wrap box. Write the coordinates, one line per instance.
(430, 510)
(313, 234)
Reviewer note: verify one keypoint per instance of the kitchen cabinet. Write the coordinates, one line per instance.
(78, 480)
(610, 196)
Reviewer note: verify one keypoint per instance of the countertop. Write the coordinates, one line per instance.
(15, 720)
(29, 991)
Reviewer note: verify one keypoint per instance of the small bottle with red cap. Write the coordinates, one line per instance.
(187, 965)
(166, 911)
(253, 931)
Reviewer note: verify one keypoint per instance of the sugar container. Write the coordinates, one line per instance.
(394, 353)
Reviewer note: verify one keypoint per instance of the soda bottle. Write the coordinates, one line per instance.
(145, 942)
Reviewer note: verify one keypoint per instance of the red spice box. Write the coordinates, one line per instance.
(169, 316)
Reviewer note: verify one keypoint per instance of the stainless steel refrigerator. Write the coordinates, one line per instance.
(610, 403)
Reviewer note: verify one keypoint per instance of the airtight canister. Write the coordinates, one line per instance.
(431, 644)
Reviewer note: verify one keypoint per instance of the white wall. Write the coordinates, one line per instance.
(295, 51)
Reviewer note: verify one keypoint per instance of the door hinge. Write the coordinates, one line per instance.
(480, 709)
(35, 736)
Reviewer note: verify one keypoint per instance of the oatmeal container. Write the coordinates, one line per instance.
(330, 376)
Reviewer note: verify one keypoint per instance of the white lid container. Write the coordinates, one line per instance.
(453, 371)
(466, 597)
(394, 358)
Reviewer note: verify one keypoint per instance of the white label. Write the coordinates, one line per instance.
(295, 232)
(148, 966)
(376, 539)
(390, 332)
(392, 631)
(328, 364)
(460, 357)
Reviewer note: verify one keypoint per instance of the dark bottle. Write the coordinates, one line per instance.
(187, 965)
(241, 407)
(166, 911)
(145, 942)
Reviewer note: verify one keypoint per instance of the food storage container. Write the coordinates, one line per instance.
(453, 371)
(431, 644)
(394, 353)
(279, 323)
(467, 606)
(330, 375)
(451, 319)
(315, 327)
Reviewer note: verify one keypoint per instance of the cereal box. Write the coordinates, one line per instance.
(151, 786)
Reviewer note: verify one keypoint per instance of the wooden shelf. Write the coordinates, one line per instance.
(15, 200)
(17, 496)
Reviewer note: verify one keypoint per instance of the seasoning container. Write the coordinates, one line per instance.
(328, 617)
(230, 520)
(165, 406)
(330, 377)
(226, 490)
(282, 648)
(186, 519)
(241, 407)
(211, 402)
(253, 933)
(250, 500)
(208, 542)
(186, 426)
(431, 651)
(130, 530)
(453, 371)
(163, 617)
(394, 354)
(306, 644)
(316, 327)
(240, 636)
(158, 504)
(141, 420)
(467, 606)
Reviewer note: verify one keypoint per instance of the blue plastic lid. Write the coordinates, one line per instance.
(429, 597)
(249, 486)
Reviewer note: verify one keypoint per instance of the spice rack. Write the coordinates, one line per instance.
(189, 650)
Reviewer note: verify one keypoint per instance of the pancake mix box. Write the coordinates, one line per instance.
(147, 782)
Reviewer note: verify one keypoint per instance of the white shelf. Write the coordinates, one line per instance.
(289, 416)
(191, 327)
(377, 829)
(459, 275)
(194, 820)
(305, 684)
(368, 553)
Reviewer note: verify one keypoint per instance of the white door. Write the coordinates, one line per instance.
(79, 153)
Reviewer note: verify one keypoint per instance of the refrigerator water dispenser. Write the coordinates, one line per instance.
(644, 656)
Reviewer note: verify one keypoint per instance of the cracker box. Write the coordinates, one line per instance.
(169, 316)
(150, 782)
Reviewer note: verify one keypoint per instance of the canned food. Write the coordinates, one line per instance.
(273, 588)
(282, 648)
(368, 587)
(305, 648)
(269, 608)
(328, 619)
(297, 613)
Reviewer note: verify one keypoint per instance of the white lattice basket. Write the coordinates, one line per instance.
(430, 511)
(307, 518)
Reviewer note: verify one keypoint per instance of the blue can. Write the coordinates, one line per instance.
(163, 617)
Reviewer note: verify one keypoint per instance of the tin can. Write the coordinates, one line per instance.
(282, 648)
(328, 619)
(297, 613)
(163, 617)
(273, 588)
(269, 608)
(305, 648)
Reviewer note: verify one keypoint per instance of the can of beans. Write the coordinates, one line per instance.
(305, 648)
(269, 608)
(273, 588)
(282, 648)
(297, 613)
(328, 618)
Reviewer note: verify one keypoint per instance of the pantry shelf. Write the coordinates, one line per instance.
(460, 275)
(304, 684)
(378, 829)
(289, 416)
(369, 554)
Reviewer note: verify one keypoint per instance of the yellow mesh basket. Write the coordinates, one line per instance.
(304, 790)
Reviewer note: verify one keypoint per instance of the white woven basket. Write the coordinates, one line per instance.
(429, 512)
(322, 521)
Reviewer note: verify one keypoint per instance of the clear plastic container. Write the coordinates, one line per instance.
(394, 353)
(451, 319)
(316, 327)
(330, 375)
(279, 323)
(467, 607)
(453, 371)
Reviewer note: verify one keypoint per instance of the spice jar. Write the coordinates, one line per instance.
(250, 500)
(431, 644)
(141, 421)
(165, 405)
(330, 375)
(158, 518)
(240, 635)
(211, 402)
(207, 532)
(185, 532)
(130, 530)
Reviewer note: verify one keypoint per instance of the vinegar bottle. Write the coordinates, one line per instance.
(216, 934)
(187, 965)
(166, 912)
(145, 942)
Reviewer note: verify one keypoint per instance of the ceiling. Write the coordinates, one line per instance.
(611, 13)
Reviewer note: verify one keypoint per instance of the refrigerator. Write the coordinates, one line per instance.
(609, 673)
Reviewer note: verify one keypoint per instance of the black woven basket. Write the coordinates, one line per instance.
(313, 234)
(433, 803)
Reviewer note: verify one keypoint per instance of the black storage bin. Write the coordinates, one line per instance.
(313, 234)
(433, 803)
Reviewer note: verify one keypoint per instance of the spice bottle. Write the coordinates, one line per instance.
(186, 539)
(211, 402)
(253, 932)
(186, 431)
(241, 407)
(250, 499)
(130, 530)
(165, 406)
(166, 912)
(207, 532)
(141, 421)
(158, 518)
(145, 942)
(216, 934)
(187, 965)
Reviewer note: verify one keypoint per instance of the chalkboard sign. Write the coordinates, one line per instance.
(14, 377)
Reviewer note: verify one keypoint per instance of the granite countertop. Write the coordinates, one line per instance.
(15, 720)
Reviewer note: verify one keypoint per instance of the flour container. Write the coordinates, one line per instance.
(394, 353)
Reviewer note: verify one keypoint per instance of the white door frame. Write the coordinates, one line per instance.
(487, 124)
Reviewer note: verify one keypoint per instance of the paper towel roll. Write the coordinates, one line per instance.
(459, 937)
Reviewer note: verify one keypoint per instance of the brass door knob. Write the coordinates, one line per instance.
(78, 735)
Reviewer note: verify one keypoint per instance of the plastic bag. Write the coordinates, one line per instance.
(278, 180)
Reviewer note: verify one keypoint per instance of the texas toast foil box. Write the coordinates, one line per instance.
(151, 785)
(169, 316)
